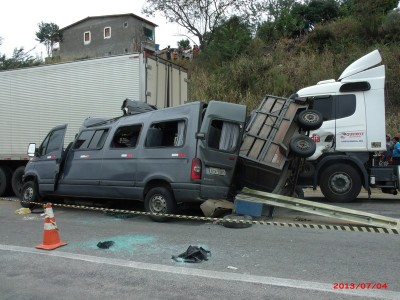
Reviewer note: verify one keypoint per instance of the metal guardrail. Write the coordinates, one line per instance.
(320, 209)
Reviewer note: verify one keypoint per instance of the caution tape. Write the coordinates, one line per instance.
(352, 228)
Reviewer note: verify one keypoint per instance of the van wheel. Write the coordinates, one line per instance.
(302, 146)
(340, 183)
(160, 200)
(310, 119)
(29, 193)
(17, 180)
(5, 181)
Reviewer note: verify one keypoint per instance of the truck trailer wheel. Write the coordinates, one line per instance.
(17, 181)
(160, 200)
(29, 193)
(302, 146)
(5, 181)
(340, 183)
(310, 119)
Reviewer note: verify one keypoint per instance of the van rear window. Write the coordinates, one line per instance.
(223, 135)
(166, 134)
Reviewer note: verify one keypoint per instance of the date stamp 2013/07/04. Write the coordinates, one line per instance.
(359, 285)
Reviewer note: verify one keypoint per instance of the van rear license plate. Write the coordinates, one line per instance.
(215, 171)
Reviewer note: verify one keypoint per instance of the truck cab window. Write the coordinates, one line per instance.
(335, 107)
(52, 142)
(223, 135)
(126, 137)
(91, 139)
(166, 134)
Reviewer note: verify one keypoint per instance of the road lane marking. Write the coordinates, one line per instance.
(266, 280)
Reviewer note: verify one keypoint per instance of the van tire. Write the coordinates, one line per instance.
(29, 193)
(302, 146)
(5, 181)
(310, 119)
(160, 200)
(340, 183)
(17, 182)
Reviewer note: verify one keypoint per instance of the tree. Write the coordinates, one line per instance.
(199, 17)
(185, 44)
(230, 39)
(19, 59)
(49, 34)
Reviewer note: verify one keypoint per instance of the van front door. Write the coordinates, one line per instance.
(47, 164)
(222, 128)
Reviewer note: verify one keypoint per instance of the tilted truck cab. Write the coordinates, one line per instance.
(352, 135)
(164, 157)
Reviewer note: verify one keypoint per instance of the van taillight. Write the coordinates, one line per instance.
(196, 169)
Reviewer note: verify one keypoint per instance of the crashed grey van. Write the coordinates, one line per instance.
(163, 157)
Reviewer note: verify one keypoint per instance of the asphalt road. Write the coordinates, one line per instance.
(259, 262)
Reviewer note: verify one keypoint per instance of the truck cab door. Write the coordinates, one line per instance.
(218, 147)
(47, 164)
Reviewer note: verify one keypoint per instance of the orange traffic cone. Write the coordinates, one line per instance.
(51, 239)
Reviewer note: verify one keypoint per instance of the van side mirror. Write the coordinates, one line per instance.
(32, 151)
(200, 136)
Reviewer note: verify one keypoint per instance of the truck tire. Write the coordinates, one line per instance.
(302, 146)
(340, 183)
(310, 119)
(29, 193)
(160, 200)
(16, 181)
(5, 181)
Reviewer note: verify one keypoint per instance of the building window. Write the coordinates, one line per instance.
(107, 32)
(86, 37)
(148, 33)
(125, 24)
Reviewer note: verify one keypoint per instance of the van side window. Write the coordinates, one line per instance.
(223, 135)
(52, 142)
(335, 107)
(126, 137)
(91, 139)
(166, 134)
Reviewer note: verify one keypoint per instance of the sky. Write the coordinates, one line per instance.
(19, 20)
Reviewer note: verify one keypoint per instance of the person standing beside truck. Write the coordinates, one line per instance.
(396, 151)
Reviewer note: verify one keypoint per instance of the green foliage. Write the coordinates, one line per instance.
(185, 44)
(49, 34)
(322, 10)
(390, 28)
(19, 59)
(228, 42)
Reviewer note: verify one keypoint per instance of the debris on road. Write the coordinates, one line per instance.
(23, 211)
(105, 245)
(193, 254)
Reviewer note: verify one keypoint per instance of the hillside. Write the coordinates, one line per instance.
(284, 66)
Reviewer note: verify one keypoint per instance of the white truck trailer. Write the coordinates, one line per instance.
(38, 98)
(352, 136)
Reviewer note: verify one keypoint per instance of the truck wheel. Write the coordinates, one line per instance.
(160, 200)
(5, 181)
(302, 146)
(17, 180)
(29, 193)
(307, 170)
(340, 183)
(310, 119)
